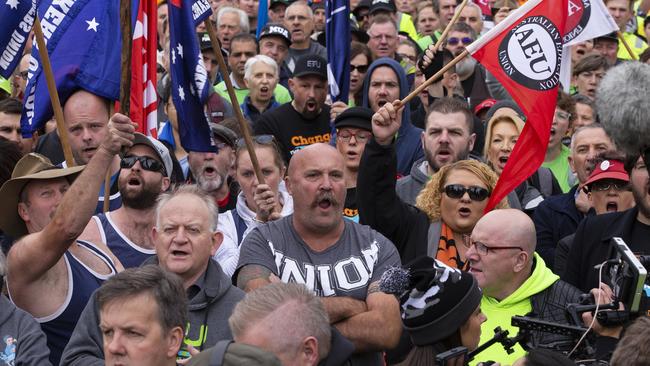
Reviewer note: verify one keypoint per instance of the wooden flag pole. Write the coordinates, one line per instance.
(54, 95)
(453, 21)
(216, 46)
(399, 103)
(627, 46)
(125, 84)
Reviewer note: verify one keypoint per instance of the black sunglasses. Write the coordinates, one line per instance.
(454, 41)
(146, 163)
(260, 139)
(457, 191)
(361, 68)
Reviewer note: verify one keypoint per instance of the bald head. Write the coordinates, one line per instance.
(520, 232)
(306, 157)
(86, 119)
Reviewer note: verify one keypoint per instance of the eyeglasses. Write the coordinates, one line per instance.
(565, 116)
(361, 68)
(260, 139)
(360, 136)
(454, 41)
(601, 186)
(146, 163)
(457, 191)
(483, 249)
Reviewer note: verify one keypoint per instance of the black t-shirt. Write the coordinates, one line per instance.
(639, 238)
(350, 210)
(292, 131)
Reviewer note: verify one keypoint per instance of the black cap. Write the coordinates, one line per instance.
(608, 37)
(204, 41)
(276, 29)
(276, 2)
(224, 134)
(362, 4)
(383, 5)
(357, 117)
(311, 65)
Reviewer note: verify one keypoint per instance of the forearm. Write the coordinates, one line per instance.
(372, 330)
(342, 308)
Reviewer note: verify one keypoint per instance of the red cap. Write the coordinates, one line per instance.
(608, 169)
(486, 104)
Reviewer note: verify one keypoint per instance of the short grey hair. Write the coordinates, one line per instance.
(192, 190)
(580, 130)
(293, 313)
(248, 68)
(300, 3)
(243, 18)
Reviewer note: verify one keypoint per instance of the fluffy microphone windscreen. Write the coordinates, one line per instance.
(623, 106)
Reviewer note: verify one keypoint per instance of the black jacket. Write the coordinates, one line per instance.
(591, 246)
(380, 207)
(550, 305)
(554, 219)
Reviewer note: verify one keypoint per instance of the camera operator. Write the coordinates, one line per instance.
(515, 280)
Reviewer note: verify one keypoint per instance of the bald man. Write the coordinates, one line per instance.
(515, 280)
(338, 259)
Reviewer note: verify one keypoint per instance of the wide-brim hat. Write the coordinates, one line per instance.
(31, 167)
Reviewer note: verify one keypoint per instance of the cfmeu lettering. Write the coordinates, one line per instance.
(301, 140)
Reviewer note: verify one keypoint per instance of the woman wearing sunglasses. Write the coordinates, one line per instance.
(256, 203)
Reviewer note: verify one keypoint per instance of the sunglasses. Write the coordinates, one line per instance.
(260, 139)
(606, 186)
(361, 68)
(146, 163)
(454, 41)
(456, 191)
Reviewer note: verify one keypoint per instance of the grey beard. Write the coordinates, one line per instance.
(465, 67)
(210, 185)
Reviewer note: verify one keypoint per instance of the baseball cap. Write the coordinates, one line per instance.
(608, 169)
(276, 2)
(275, 29)
(383, 5)
(311, 65)
(486, 104)
(160, 149)
(358, 117)
(30, 167)
(607, 37)
(204, 41)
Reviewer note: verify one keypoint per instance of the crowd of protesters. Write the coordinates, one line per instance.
(367, 243)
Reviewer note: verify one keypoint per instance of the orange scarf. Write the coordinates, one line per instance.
(447, 251)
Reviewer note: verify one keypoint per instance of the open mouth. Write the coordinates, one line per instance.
(209, 171)
(133, 181)
(580, 52)
(464, 211)
(325, 203)
(89, 150)
(611, 207)
(179, 253)
(311, 105)
(264, 89)
(444, 153)
(503, 159)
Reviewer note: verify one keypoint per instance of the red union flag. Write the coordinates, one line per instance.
(524, 53)
(143, 107)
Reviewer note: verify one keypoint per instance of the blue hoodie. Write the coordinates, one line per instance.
(408, 144)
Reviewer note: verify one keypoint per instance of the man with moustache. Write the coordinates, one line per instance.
(338, 259)
(212, 171)
(144, 175)
(305, 120)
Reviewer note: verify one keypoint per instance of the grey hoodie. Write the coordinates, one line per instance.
(23, 341)
(409, 187)
(209, 311)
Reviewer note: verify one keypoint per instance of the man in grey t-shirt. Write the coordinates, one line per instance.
(339, 260)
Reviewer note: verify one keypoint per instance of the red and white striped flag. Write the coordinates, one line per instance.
(144, 105)
(524, 53)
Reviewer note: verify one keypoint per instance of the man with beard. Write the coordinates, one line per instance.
(558, 216)
(591, 244)
(212, 171)
(386, 82)
(472, 74)
(338, 259)
(145, 172)
(447, 138)
(306, 120)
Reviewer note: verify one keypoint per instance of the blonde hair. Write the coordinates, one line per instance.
(489, 130)
(429, 198)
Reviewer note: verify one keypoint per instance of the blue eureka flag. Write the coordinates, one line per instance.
(262, 16)
(84, 45)
(17, 18)
(337, 35)
(190, 81)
